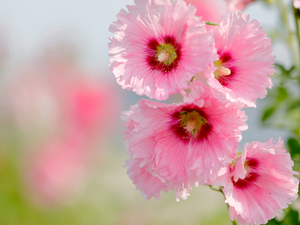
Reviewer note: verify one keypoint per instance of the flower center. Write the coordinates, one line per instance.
(163, 54)
(221, 70)
(190, 125)
(251, 174)
(191, 121)
(166, 54)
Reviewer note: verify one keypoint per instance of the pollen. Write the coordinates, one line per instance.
(166, 54)
(163, 56)
(190, 125)
(192, 121)
(223, 71)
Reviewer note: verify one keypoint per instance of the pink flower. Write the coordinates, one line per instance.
(296, 4)
(260, 183)
(159, 47)
(244, 60)
(236, 5)
(181, 144)
(87, 106)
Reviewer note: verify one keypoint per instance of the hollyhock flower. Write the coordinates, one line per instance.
(159, 47)
(88, 107)
(181, 144)
(244, 60)
(236, 5)
(260, 183)
(296, 4)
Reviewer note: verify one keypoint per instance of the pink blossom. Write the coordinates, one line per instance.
(87, 106)
(181, 144)
(158, 47)
(244, 59)
(296, 4)
(260, 183)
(236, 5)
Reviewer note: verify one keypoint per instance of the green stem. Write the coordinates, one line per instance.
(297, 21)
(288, 29)
(211, 23)
(214, 189)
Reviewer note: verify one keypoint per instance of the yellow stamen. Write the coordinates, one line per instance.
(166, 54)
(190, 125)
(192, 121)
(221, 70)
(163, 56)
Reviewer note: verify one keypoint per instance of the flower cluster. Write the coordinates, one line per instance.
(161, 48)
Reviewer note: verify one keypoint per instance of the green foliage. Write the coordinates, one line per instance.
(291, 218)
(283, 110)
(282, 94)
(294, 146)
(278, 95)
(285, 73)
(268, 113)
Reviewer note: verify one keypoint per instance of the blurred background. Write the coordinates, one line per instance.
(61, 144)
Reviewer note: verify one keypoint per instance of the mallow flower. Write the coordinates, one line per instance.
(172, 147)
(259, 183)
(159, 45)
(243, 60)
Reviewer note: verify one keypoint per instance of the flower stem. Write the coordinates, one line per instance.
(297, 21)
(288, 30)
(211, 23)
(214, 189)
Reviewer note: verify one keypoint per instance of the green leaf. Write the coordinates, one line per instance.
(268, 112)
(284, 72)
(282, 94)
(293, 105)
(294, 146)
(291, 218)
(273, 222)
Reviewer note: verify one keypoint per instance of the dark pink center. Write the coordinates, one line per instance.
(154, 63)
(250, 178)
(226, 58)
(202, 132)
